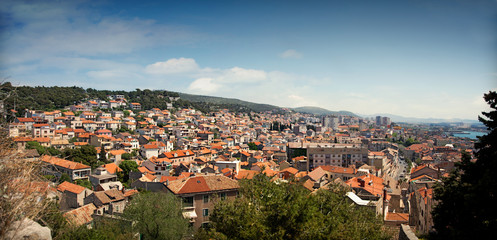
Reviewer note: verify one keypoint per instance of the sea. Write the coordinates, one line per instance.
(469, 134)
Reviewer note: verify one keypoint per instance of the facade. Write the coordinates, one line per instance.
(161, 166)
(180, 156)
(73, 195)
(101, 176)
(200, 193)
(57, 166)
(421, 203)
(149, 150)
(342, 155)
(108, 202)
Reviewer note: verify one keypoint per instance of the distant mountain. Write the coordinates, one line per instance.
(397, 118)
(256, 107)
(322, 111)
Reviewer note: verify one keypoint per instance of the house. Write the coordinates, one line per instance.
(180, 156)
(288, 173)
(135, 106)
(318, 178)
(58, 166)
(367, 187)
(81, 216)
(73, 195)
(233, 165)
(424, 170)
(43, 130)
(149, 150)
(339, 172)
(396, 219)
(102, 176)
(27, 122)
(107, 202)
(115, 155)
(160, 166)
(200, 193)
(112, 168)
(421, 205)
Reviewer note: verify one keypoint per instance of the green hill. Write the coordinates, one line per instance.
(228, 102)
(322, 111)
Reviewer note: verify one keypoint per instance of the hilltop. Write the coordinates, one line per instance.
(256, 107)
(322, 111)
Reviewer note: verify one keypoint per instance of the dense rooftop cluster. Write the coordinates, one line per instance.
(198, 157)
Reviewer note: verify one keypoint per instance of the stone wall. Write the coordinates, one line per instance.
(406, 233)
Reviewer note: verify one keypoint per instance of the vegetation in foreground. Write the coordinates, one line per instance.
(466, 197)
(268, 210)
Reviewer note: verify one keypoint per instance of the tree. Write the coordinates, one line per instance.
(267, 210)
(41, 149)
(85, 154)
(102, 229)
(252, 146)
(157, 216)
(126, 166)
(102, 156)
(126, 156)
(466, 197)
(64, 177)
(84, 183)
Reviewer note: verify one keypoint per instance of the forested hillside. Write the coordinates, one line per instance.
(42, 98)
(51, 98)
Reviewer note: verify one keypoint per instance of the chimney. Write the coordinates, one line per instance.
(167, 182)
(361, 182)
(385, 203)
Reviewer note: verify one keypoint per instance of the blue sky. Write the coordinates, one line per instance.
(416, 58)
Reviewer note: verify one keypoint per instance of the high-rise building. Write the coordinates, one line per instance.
(378, 120)
(385, 121)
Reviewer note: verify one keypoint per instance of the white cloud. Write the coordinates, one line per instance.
(73, 29)
(173, 66)
(204, 85)
(242, 75)
(291, 53)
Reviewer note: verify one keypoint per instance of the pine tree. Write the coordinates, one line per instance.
(466, 198)
(102, 155)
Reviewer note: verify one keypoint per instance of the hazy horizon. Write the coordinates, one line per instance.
(410, 58)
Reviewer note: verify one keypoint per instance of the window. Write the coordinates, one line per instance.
(206, 198)
(222, 196)
(205, 212)
(188, 202)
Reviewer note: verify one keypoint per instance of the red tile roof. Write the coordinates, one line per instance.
(82, 215)
(397, 217)
(178, 154)
(25, 120)
(112, 168)
(198, 184)
(63, 163)
(71, 187)
(372, 184)
(336, 169)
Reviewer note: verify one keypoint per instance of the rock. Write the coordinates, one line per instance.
(28, 229)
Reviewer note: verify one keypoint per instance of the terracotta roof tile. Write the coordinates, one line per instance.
(63, 163)
(82, 215)
(398, 217)
(71, 187)
(197, 184)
